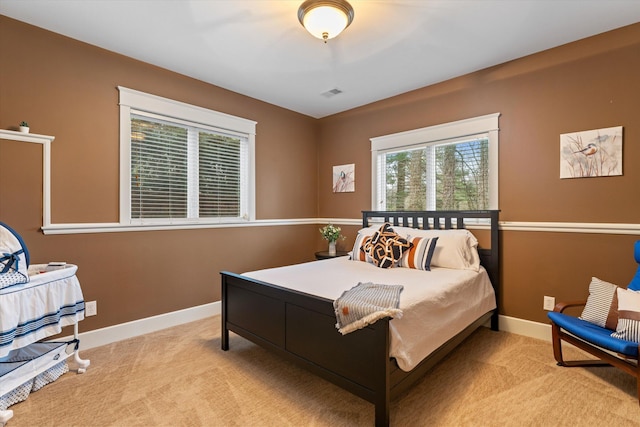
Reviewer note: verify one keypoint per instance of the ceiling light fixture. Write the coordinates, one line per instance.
(325, 19)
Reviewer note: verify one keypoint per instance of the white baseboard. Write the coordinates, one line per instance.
(524, 327)
(123, 331)
(111, 334)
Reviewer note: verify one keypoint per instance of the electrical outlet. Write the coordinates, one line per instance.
(91, 308)
(549, 303)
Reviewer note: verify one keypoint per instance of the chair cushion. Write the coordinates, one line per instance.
(635, 282)
(593, 334)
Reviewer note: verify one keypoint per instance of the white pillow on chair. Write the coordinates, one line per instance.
(602, 304)
(628, 315)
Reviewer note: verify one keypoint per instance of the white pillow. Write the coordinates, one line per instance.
(628, 316)
(371, 230)
(602, 304)
(456, 249)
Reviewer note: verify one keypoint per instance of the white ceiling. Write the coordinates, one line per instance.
(258, 48)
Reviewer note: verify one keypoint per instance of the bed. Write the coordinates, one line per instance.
(298, 320)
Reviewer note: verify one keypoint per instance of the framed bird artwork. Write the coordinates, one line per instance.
(344, 178)
(591, 153)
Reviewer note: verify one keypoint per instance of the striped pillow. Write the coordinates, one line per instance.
(357, 254)
(602, 305)
(420, 254)
(629, 315)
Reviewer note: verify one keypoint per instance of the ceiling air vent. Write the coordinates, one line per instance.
(332, 92)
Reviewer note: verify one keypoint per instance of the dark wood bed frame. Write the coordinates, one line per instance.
(301, 327)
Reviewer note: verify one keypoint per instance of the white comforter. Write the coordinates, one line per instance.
(40, 308)
(436, 304)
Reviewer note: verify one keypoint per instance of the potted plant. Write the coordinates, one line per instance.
(331, 233)
(24, 127)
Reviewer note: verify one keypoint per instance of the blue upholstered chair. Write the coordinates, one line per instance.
(635, 282)
(594, 339)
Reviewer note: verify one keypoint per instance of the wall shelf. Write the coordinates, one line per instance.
(25, 137)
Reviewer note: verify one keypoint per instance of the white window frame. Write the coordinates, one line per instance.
(435, 134)
(133, 101)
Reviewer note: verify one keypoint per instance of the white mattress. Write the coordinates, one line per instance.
(436, 304)
(40, 308)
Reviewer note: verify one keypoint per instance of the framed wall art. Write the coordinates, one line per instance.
(591, 153)
(344, 178)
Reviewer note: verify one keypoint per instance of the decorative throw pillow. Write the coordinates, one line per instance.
(13, 258)
(628, 315)
(420, 254)
(356, 253)
(457, 248)
(386, 247)
(602, 304)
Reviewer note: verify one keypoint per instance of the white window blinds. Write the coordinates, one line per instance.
(186, 172)
(220, 175)
(159, 169)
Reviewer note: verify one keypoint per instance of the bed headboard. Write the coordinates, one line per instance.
(445, 220)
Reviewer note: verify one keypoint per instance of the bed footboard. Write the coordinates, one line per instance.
(301, 328)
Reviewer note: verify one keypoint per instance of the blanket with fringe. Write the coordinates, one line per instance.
(366, 303)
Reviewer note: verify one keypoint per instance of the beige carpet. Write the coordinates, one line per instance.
(180, 377)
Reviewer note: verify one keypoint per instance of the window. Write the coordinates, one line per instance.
(182, 164)
(446, 167)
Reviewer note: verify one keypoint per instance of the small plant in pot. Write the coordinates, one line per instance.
(331, 233)
(24, 127)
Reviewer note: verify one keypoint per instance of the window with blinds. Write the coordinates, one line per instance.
(444, 167)
(184, 164)
(180, 171)
(440, 176)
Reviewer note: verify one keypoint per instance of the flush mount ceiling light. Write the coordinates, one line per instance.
(325, 19)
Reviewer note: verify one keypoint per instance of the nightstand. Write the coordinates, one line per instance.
(325, 254)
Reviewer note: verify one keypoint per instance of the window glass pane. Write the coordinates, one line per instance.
(462, 175)
(158, 169)
(405, 180)
(219, 175)
(447, 176)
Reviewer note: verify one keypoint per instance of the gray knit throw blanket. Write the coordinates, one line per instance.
(366, 303)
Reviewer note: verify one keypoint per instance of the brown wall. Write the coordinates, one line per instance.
(68, 89)
(590, 84)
